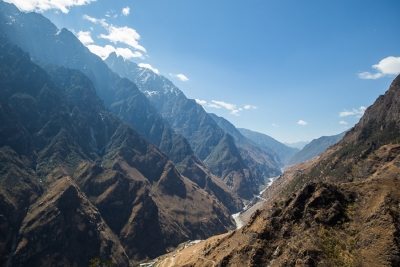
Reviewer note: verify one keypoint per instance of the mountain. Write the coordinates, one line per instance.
(46, 44)
(270, 145)
(314, 148)
(262, 164)
(189, 119)
(78, 183)
(298, 145)
(340, 209)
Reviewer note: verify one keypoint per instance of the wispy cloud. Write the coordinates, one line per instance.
(125, 11)
(275, 125)
(111, 13)
(233, 109)
(180, 76)
(354, 111)
(148, 66)
(43, 5)
(301, 122)
(386, 67)
(102, 22)
(343, 122)
(249, 107)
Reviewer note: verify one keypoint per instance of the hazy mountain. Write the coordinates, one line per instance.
(189, 119)
(322, 212)
(270, 145)
(78, 183)
(262, 164)
(45, 43)
(298, 145)
(314, 148)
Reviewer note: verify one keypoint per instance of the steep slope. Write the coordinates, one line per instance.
(300, 145)
(45, 43)
(189, 119)
(260, 163)
(338, 210)
(270, 145)
(96, 186)
(314, 148)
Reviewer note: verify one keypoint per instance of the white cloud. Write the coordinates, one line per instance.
(343, 122)
(43, 5)
(275, 125)
(180, 76)
(101, 51)
(148, 66)
(224, 104)
(250, 107)
(369, 76)
(127, 53)
(104, 51)
(385, 67)
(123, 35)
(102, 22)
(221, 104)
(111, 13)
(125, 11)
(115, 34)
(354, 111)
(301, 122)
(85, 38)
(201, 102)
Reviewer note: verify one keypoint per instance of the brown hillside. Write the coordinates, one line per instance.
(341, 209)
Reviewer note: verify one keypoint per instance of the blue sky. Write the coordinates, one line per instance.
(294, 70)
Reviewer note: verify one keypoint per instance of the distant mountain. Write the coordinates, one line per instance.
(189, 119)
(45, 43)
(322, 212)
(270, 145)
(300, 145)
(314, 148)
(262, 164)
(78, 183)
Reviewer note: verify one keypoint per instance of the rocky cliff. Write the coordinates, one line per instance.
(78, 183)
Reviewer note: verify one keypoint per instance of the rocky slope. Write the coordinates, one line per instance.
(340, 209)
(270, 145)
(78, 183)
(314, 148)
(262, 164)
(45, 43)
(189, 119)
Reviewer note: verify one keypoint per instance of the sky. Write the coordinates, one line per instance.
(294, 70)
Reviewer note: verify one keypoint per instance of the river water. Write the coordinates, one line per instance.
(239, 222)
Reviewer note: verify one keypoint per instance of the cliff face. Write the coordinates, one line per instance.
(78, 183)
(340, 209)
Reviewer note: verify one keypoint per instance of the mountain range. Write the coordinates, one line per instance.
(314, 148)
(108, 161)
(78, 138)
(340, 209)
(209, 141)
